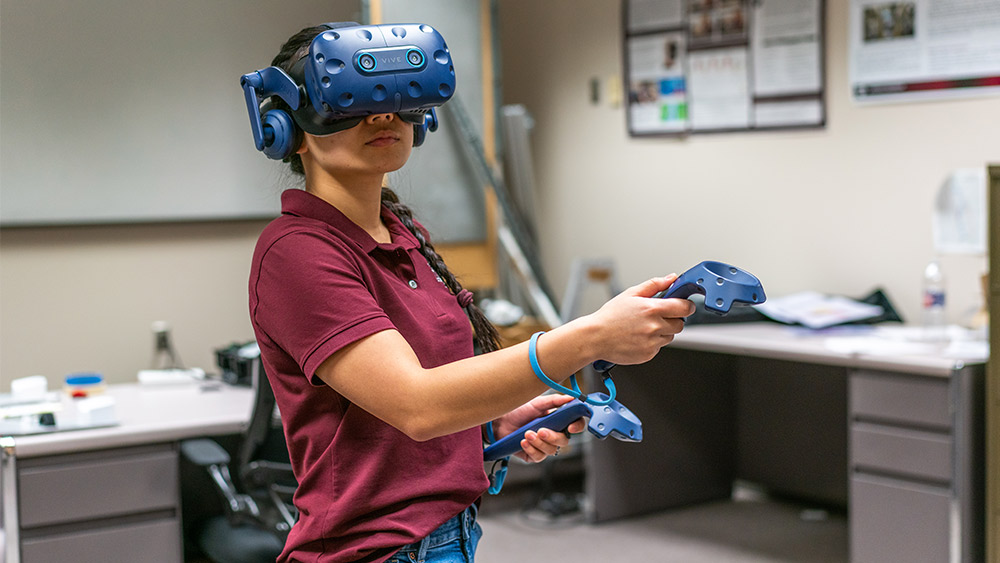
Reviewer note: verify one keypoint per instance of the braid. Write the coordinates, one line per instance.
(486, 337)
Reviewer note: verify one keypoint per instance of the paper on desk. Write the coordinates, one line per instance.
(960, 344)
(816, 310)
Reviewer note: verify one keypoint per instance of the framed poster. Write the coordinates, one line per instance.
(906, 50)
(695, 66)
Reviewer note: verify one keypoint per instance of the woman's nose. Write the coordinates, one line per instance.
(377, 117)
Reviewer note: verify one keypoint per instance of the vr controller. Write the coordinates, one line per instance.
(351, 71)
(612, 419)
(721, 284)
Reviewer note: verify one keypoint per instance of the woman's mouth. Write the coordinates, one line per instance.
(383, 139)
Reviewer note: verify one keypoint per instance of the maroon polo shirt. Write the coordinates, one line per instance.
(319, 282)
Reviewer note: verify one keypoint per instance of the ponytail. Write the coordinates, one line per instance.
(486, 337)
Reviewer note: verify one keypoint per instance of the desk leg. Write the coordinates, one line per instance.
(8, 492)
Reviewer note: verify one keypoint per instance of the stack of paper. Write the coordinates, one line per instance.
(815, 310)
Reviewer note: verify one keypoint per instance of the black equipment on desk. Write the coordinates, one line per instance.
(240, 363)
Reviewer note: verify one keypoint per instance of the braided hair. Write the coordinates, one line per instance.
(486, 337)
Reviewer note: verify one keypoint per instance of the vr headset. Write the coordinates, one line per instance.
(350, 72)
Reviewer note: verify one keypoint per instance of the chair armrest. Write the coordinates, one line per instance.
(204, 453)
(264, 473)
(213, 458)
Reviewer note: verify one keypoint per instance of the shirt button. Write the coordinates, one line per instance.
(413, 284)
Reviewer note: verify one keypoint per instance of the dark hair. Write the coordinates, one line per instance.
(294, 49)
(486, 337)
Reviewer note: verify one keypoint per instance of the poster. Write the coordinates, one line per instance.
(923, 49)
(657, 89)
(723, 65)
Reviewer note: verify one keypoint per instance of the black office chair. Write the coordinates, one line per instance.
(257, 506)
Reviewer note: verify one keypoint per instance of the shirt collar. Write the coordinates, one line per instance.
(301, 203)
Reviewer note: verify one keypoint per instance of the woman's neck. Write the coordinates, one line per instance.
(361, 202)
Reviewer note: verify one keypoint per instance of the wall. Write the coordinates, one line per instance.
(841, 210)
(82, 298)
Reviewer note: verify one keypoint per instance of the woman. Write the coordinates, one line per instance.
(365, 338)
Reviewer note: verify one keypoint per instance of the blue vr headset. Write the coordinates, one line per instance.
(351, 71)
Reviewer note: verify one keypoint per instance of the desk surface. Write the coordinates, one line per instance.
(884, 348)
(152, 413)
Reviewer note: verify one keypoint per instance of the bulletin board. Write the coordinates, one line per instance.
(699, 66)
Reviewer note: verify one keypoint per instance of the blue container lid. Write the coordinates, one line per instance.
(84, 379)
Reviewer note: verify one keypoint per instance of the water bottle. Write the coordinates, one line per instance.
(164, 355)
(935, 324)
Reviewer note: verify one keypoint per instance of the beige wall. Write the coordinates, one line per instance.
(841, 209)
(83, 298)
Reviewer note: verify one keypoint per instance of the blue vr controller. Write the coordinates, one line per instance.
(612, 419)
(721, 284)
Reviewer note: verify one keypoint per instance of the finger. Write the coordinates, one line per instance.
(529, 453)
(531, 447)
(652, 286)
(553, 438)
(546, 441)
(674, 307)
(577, 426)
(549, 401)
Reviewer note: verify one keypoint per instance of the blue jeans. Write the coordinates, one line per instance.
(454, 541)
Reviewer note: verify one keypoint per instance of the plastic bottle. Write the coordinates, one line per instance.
(935, 324)
(164, 356)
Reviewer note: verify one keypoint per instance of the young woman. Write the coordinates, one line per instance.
(366, 338)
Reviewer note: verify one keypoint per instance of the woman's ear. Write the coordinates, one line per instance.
(303, 146)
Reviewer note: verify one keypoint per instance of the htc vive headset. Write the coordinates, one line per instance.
(351, 71)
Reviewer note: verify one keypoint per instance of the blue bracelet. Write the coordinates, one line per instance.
(575, 392)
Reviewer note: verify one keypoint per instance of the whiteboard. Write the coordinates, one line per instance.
(120, 111)
(438, 182)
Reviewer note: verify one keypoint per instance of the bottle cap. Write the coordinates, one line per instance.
(81, 379)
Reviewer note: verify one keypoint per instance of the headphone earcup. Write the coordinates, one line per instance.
(281, 136)
(419, 134)
(420, 131)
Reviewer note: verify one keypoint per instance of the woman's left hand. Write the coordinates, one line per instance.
(537, 446)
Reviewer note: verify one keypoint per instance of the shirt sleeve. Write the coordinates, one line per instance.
(312, 299)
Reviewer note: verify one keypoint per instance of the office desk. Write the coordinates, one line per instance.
(111, 494)
(894, 435)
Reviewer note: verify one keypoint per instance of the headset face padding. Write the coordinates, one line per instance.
(350, 72)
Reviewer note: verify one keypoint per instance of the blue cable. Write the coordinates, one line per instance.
(575, 392)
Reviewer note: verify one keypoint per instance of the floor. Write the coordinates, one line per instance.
(751, 528)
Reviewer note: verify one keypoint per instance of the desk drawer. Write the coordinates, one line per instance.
(74, 487)
(157, 541)
(897, 521)
(903, 452)
(900, 398)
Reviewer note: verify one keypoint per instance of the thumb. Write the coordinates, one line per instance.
(550, 401)
(651, 287)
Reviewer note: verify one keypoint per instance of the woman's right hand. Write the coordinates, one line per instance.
(632, 327)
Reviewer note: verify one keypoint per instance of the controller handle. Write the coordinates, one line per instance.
(612, 419)
(721, 284)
